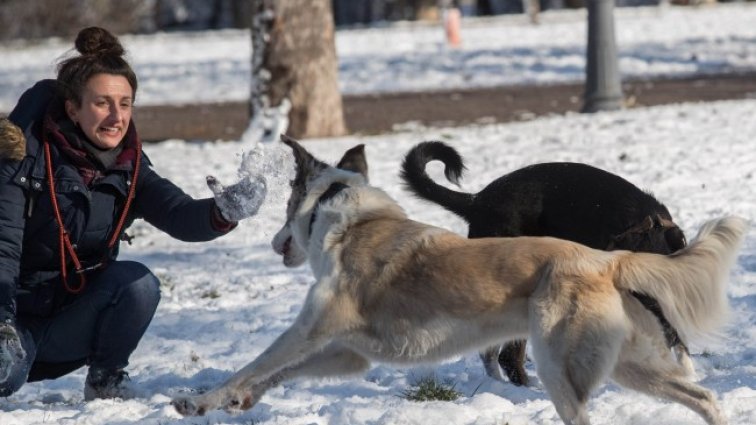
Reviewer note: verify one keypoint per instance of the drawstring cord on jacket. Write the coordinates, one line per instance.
(65, 240)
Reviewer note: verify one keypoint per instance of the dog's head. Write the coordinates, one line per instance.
(312, 179)
(654, 234)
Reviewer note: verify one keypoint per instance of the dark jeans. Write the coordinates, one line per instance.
(101, 327)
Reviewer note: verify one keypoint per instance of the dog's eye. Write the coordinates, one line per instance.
(291, 183)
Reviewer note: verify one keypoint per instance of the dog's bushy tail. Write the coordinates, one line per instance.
(418, 182)
(691, 284)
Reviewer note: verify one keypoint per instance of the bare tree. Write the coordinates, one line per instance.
(294, 64)
(532, 9)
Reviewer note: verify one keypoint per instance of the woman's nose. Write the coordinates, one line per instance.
(115, 112)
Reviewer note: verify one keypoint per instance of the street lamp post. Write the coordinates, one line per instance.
(603, 91)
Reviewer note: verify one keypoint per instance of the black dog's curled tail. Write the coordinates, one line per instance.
(418, 182)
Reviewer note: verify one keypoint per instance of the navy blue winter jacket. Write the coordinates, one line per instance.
(30, 282)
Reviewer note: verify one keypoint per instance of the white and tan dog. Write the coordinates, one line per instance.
(394, 290)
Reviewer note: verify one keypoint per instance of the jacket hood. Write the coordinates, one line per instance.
(12, 141)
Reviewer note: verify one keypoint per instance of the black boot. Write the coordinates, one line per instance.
(107, 383)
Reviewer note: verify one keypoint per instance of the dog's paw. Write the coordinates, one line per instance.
(242, 402)
(236, 405)
(188, 406)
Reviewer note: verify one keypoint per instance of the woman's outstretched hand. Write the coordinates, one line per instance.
(240, 200)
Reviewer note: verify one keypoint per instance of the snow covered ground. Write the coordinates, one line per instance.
(225, 301)
(215, 66)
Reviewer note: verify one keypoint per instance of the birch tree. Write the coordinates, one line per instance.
(295, 73)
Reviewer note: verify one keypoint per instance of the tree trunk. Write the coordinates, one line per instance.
(259, 95)
(300, 58)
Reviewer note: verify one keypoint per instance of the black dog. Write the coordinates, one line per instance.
(559, 199)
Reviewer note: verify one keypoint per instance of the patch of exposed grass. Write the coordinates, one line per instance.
(429, 389)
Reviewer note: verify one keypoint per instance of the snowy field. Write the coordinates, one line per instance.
(215, 66)
(225, 301)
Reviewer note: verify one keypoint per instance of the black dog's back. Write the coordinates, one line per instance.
(576, 202)
(567, 200)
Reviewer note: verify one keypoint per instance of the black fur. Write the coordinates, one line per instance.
(560, 199)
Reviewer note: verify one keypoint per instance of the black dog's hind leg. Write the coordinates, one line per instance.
(512, 360)
(670, 333)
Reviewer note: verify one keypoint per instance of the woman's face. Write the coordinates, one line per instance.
(105, 110)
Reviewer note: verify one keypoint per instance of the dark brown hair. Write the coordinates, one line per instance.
(100, 52)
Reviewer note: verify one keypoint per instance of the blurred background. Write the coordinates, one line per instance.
(39, 18)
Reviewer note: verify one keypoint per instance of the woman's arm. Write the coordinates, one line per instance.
(167, 207)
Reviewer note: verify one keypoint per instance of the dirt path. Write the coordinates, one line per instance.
(379, 113)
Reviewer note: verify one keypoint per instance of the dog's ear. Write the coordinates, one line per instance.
(354, 160)
(300, 154)
(307, 165)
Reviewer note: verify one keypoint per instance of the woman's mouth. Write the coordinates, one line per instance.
(111, 131)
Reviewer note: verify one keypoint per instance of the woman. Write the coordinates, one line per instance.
(67, 197)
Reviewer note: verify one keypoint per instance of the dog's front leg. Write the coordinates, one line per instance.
(294, 345)
(334, 360)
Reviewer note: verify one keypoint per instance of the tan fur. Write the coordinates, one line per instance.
(394, 290)
(402, 260)
(12, 141)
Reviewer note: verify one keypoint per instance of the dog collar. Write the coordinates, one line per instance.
(332, 191)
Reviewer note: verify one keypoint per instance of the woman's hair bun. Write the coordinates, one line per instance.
(98, 41)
